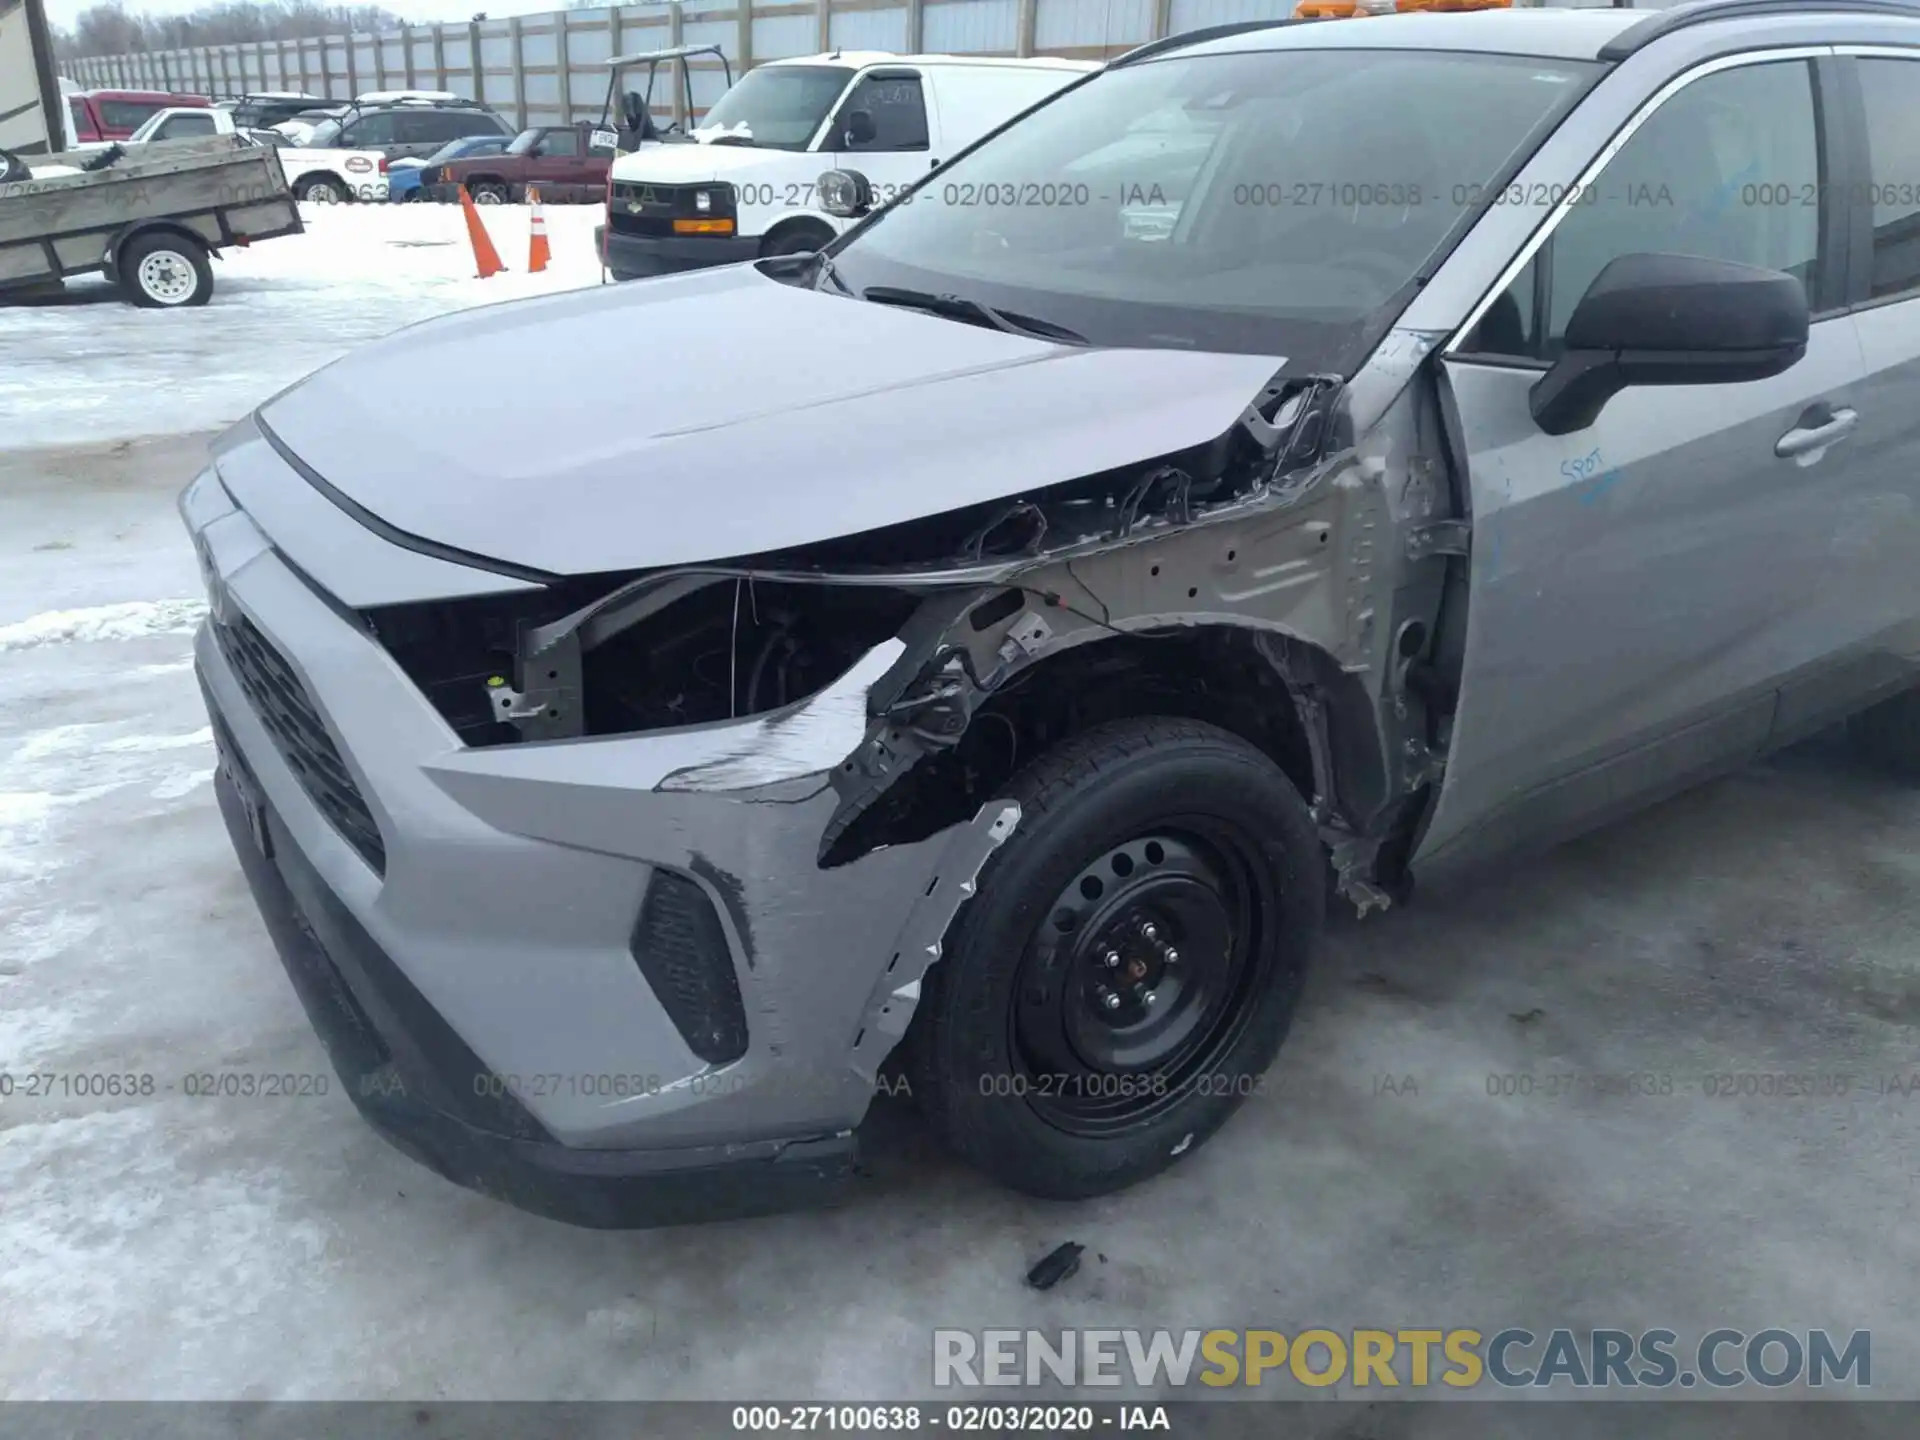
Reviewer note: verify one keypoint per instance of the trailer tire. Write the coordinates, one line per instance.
(164, 270)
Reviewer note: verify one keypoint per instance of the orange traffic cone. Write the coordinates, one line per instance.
(484, 255)
(538, 252)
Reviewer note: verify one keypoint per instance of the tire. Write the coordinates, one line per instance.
(164, 272)
(489, 193)
(798, 241)
(1122, 824)
(1888, 734)
(322, 190)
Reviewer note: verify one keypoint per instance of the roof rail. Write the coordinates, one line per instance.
(1197, 37)
(1665, 22)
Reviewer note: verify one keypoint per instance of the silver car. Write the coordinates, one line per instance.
(968, 660)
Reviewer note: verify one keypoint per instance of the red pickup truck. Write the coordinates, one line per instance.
(567, 162)
(115, 114)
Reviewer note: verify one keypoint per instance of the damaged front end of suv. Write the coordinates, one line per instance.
(771, 787)
(899, 684)
(860, 709)
(1282, 581)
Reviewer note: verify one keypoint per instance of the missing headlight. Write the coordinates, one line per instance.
(724, 649)
(731, 649)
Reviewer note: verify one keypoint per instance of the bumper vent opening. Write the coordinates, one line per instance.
(281, 702)
(682, 951)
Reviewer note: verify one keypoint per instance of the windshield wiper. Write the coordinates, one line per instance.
(958, 307)
(823, 266)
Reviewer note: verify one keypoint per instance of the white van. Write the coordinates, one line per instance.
(746, 188)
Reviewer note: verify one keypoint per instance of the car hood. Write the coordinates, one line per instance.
(494, 158)
(721, 413)
(690, 164)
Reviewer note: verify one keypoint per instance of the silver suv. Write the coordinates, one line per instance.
(1296, 459)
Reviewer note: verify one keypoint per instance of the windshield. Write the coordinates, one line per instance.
(780, 107)
(324, 134)
(1269, 203)
(524, 142)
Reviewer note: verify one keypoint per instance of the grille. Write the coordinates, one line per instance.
(660, 205)
(682, 951)
(281, 702)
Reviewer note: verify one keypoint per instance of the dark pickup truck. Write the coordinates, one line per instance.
(567, 162)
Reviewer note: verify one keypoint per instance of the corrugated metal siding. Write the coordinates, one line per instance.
(1071, 24)
(870, 29)
(954, 26)
(778, 36)
(1192, 14)
(971, 26)
(537, 48)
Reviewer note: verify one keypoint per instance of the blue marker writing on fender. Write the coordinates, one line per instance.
(1588, 472)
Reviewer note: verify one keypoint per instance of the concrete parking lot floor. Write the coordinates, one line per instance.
(160, 1245)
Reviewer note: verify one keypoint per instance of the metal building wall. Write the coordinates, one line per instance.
(542, 69)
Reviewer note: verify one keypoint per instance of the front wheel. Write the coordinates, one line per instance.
(164, 272)
(322, 191)
(489, 194)
(1130, 963)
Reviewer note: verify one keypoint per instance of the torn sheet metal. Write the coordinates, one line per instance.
(921, 940)
(814, 736)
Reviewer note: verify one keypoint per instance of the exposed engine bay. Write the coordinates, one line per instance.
(1247, 581)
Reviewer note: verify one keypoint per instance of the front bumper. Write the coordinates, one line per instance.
(637, 257)
(396, 1058)
(484, 976)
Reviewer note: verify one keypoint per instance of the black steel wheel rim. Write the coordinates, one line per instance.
(1141, 978)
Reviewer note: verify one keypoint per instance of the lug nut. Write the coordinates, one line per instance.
(1149, 997)
(1150, 930)
(1170, 955)
(1110, 1000)
(1111, 959)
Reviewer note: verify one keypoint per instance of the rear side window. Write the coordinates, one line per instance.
(127, 114)
(897, 107)
(82, 121)
(377, 129)
(1727, 168)
(1891, 89)
(471, 122)
(417, 129)
(181, 126)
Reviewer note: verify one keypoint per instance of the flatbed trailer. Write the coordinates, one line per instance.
(149, 219)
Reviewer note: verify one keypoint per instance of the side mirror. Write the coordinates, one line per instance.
(844, 194)
(858, 129)
(1654, 319)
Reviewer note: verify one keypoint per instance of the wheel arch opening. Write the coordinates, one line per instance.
(1286, 697)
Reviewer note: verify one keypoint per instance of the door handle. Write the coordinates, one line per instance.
(1806, 439)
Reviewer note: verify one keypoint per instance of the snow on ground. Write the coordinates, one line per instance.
(91, 367)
